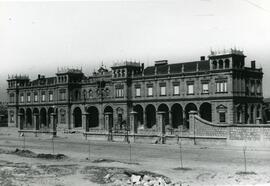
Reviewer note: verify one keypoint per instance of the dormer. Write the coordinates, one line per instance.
(127, 69)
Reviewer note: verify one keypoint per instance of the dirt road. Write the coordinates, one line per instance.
(207, 165)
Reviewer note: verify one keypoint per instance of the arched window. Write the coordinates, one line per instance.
(214, 64)
(220, 64)
(227, 63)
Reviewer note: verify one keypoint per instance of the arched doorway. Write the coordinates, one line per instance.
(29, 118)
(252, 114)
(36, 114)
(22, 118)
(206, 111)
(177, 115)
(93, 117)
(164, 108)
(109, 112)
(139, 110)
(43, 118)
(77, 114)
(50, 111)
(150, 112)
(189, 107)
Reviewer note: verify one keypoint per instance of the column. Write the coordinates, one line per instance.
(35, 120)
(85, 121)
(161, 126)
(170, 119)
(192, 125)
(184, 120)
(145, 119)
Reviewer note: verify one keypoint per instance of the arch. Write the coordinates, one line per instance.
(43, 118)
(150, 112)
(239, 113)
(28, 118)
(77, 114)
(164, 108)
(139, 110)
(177, 115)
(93, 117)
(220, 64)
(258, 111)
(108, 109)
(214, 65)
(252, 114)
(189, 107)
(206, 111)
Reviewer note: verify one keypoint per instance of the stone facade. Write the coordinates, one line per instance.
(221, 88)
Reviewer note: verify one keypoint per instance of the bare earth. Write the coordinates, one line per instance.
(110, 162)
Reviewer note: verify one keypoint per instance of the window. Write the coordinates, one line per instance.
(50, 96)
(43, 97)
(149, 91)
(35, 97)
(176, 89)
(205, 88)
(62, 95)
(258, 87)
(163, 90)
(28, 97)
(190, 89)
(221, 86)
(252, 89)
(12, 99)
(22, 98)
(214, 64)
(90, 93)
(62, 116)
(119, 92)
(11, 116)
(222, 117)
(138, 91)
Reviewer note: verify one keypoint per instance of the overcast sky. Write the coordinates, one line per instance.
(38, 37)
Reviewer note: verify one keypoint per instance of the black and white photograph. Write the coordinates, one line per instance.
(135, 93)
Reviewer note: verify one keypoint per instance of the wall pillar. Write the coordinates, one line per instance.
(133, 122)
(35, 120)
(53, 121)
(108, 124)
(170, 118)
(145, 119)
(85, 121)
(192, 125)
(21, 121)
(161, 125)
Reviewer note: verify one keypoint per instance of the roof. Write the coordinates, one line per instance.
(177, 67)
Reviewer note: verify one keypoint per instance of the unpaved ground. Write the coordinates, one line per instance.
(206, 165)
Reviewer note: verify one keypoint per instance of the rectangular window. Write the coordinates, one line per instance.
(222, 117)
(163, 91)
(221, 86)
(12, 99)
(252, 90)
(190, 89)
(205, 88)
(35, 97)
(149, 91)
(138, 92)
(28, 97)
(119, 92)
(22, 98)
(50, 96)
(258, 87)
(43, 97)
(62, 96)
(176, 90)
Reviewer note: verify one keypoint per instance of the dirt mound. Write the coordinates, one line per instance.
(30, 154)
(52, 156)
(123, 176)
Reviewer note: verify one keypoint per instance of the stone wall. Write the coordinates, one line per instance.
(235, 134)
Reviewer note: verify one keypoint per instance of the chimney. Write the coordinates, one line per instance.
(38, 76)
(253, 64)
(202, 58)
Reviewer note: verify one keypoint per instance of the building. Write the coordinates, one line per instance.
(220, 87)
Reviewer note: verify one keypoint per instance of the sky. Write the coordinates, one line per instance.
(39, 37)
